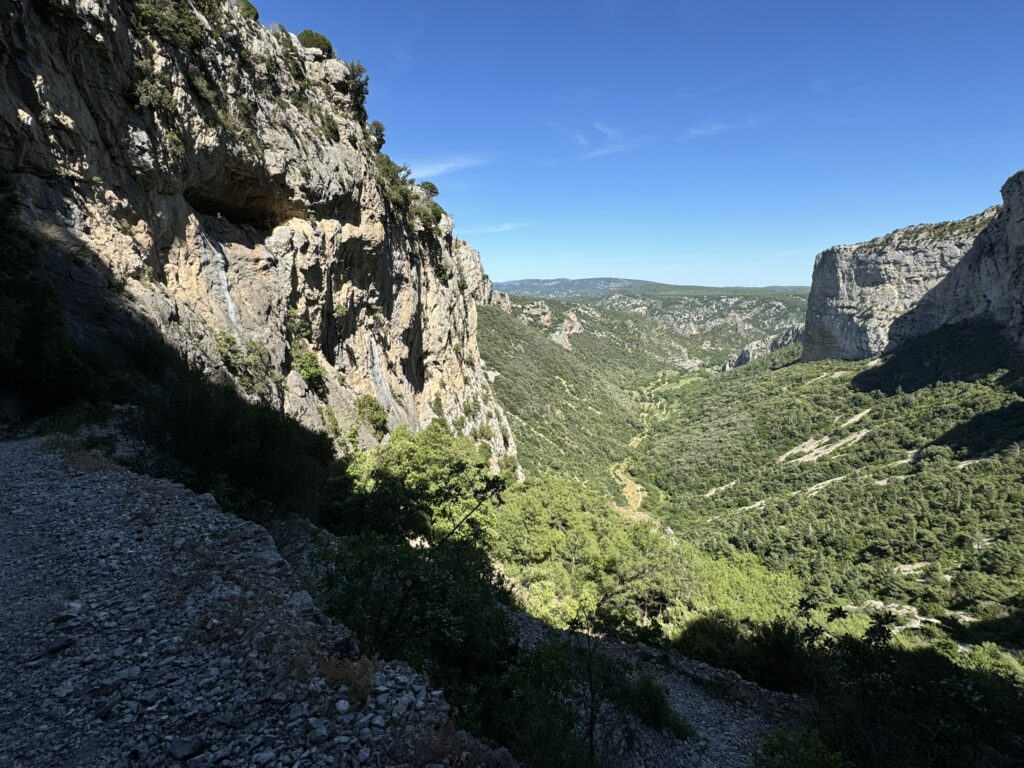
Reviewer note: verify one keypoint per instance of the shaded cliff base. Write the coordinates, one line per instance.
(965, 351)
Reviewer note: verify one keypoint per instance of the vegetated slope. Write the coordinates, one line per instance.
(572, 411)
(850, 530)
(900, 482)
(596, 286)
(703, 327)
(713, 324)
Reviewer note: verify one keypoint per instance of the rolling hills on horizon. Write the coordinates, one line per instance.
(562, 287)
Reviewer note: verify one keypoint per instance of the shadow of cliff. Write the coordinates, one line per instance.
(879, 703)
(1007, 631)
(966, 351)
(443, 608)
(986, 433)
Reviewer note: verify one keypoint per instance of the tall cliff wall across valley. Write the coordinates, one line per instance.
(869, 298)
(220, 179)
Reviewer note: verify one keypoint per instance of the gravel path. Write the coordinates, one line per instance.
(142, 626)
(729, 715)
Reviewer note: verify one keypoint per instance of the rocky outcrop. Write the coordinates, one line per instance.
(869, 298)
(474, 280)
(539, 311)
(219, 179)
(570, 324)
(787, 338)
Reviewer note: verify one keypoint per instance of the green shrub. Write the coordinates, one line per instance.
(530, 705)
(296, 325)
(312, 39)
(291, 55)
(773, 654)
(330, 127)
(175, 145)
(377, 131)
(395, 181)
(429, 214)
(647, 698)
(416, 605)
(331, 420)
(248, 10)
(175, 21)
(357, 85)
(152, 90)
(430, 188)
(307, 365)
(785, 749)
(251, 367)
(372, 412)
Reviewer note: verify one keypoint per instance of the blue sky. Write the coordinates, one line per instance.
(711, 142)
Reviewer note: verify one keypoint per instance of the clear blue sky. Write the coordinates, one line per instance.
(708, 142)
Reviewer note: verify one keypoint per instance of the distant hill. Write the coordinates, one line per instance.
(598, 286)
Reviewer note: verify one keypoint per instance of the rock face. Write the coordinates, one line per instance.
(220, 180)
(563, 333)
(869, 298)
(790, 336)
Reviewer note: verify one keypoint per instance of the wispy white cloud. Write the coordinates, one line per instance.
(714, 127)
(507, 226)
(434, 168)
(607, 132)
(598, 139)
(710, 129)
(612, 149)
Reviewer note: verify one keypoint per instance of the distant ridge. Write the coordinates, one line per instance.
(596, 286)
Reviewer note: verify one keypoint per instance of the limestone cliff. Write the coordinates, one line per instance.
(762, 347)
(222, 180)
(867, 299)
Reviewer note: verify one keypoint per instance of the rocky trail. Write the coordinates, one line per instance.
(143, 626)
(729, 715)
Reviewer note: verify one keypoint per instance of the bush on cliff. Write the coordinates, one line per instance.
(248, 10)
(311, 39)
